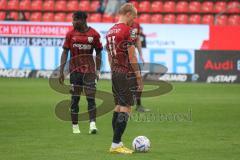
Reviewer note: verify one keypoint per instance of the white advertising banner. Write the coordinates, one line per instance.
(30, 45)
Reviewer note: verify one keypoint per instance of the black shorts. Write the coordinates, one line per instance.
(80, 81)
(121, 88)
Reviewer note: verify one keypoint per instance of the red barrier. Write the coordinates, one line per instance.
(224, 38)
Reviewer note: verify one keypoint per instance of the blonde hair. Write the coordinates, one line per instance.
(127, 7)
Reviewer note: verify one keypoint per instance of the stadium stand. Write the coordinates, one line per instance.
(182, 19)
(218, 12)
(157, 18)
(48, 5)
(48, 17)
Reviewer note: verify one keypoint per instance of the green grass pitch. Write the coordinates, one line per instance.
(30, 130)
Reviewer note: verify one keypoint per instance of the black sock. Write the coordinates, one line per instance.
(74, 117)
(138, 98)
(114, 119)
(120, 126)
(92, 110)
(74, 109)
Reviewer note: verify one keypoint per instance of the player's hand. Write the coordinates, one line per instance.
(139, 82)
(142, 59)
(61, 78)
(98, 73)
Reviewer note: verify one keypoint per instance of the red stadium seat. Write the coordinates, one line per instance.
(72, 5)
(169, 6)
(27, 15)
(169, 19)
(221, 20)
(194, 6)
(144, 6)
(207, 7)
(60, 5)
(107, 18)
(84, 5)
(234, 7)
(234, 20)
(36, 5)
(36, 16)
(95, 17)
(60, 17)
(48, 5)
(68, 17)
(182, 19)
(2, 15)
(157, 6)
(182, 6)
(135, 3)
(94, 6)
(220, 6)
(25, 5)
(13, 5)
(144, 18)
(14, 15)
(208, 19)
(3, 4)
(48, 17)
(194, 19)
(156, 18)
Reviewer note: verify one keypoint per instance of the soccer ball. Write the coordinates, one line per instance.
(141, 144)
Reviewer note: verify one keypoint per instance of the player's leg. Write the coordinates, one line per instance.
(75, 97)
(123, 101)
(120, 123)
(90, 91)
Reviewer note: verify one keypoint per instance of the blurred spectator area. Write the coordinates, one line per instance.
(219, 12)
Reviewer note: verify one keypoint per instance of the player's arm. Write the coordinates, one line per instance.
(139, 48)
(98, 49)
(63, 63)
(134, 64)
(109, 57)
(64, 56)
(98, 61)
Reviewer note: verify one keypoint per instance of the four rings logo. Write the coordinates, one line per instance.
(82, 46)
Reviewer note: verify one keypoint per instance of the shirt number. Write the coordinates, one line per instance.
(112, 45)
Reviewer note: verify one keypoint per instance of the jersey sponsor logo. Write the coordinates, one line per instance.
(90, 39)
(82, 46)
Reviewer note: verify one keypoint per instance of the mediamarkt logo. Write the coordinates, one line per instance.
(216, 66)
(82, 46)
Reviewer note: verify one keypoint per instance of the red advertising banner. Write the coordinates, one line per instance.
(224, 38)
(41, 30)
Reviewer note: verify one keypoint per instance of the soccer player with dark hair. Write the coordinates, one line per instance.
(122, 59)
(81, 41)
